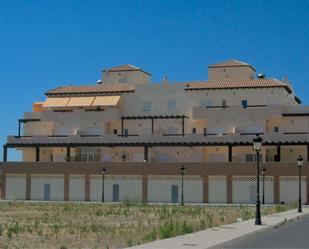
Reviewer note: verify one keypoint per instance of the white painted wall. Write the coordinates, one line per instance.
(159, 189)
(289, 189)
(76, 188)
(15, 188)
(217, 189)
(244, 189)
(130, 188)
(57, 187)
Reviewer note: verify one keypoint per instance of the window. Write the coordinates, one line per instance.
(115, 131)
(126, 132)
(171, 106)
(194, 130)
(276, 129)
(147, 106)
(205, 131)
(88, 154)
(244, 103)
(252, 157)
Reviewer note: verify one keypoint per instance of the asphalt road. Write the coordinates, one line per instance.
(292, 235)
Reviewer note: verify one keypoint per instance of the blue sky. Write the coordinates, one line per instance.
(45, 44)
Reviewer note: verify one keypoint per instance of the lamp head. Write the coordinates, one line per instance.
(183, 169)
(300, 161)
(257, 143)
(103, 172)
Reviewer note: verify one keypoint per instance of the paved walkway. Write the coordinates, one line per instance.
(214, 237)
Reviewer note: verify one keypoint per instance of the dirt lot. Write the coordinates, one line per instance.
(89, 225)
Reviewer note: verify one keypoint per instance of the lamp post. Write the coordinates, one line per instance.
(183, 170)
(103, 172)
(300, 161)
(263, 174)
(257, 145)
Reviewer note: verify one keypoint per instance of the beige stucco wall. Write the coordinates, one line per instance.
(15, 187)
(56, 187)
(231, 73)
(124, 77)
(217, 189)
(159, 189)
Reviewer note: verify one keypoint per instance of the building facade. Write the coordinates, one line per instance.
(142, 133)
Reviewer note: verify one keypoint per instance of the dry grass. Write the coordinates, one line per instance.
(88, 225)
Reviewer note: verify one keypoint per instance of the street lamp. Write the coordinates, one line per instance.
(263, 174)
(103, 172)
(300, 161)
(257, 145)
(183, 170)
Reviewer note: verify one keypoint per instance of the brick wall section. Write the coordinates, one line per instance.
(277, 189)
(87, 187)
(66, 187)
(205, 189)
(145, 188)
(28, 187)
(152, 168)
(229, 189)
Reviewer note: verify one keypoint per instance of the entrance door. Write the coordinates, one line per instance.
(174, 193)
(115, 192)
(46, 192)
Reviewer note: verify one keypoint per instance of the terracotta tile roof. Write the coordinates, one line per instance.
(230, 84)
(231, 63)
(91, 89)
(126, 67)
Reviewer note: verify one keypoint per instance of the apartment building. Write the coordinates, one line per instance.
(143, 132)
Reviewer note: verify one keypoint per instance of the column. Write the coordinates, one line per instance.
(66, 187)
(145, 188)
(5, 153)
(28, 187)
(37, 154)
(68, 158)
(230, 153)
(205, 189)
(229, 189)
(277, 189)
(307, 153)
(146, 153)
(278, 159)
(307, 189)
(87, 188)
(19, 121)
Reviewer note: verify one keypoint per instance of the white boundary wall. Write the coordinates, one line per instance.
(160, 187)
(15, 187)
(217, 189)
(289, 189)
(76, 188)
(56, 187)
(130, 188)
(244, 189)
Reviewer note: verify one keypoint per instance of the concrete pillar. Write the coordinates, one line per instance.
(307, 153)
(87, 187)
(28, 187)
(183, 126)
(66, 186)
(229, 189)
(145, 188)
(205, 189)
(277, 189)
(278, 159)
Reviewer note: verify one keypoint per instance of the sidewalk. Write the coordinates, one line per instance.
(213, 237)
